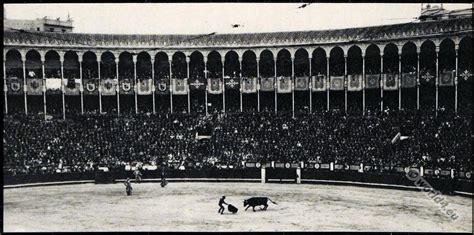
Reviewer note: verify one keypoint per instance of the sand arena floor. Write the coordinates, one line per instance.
(193, 207)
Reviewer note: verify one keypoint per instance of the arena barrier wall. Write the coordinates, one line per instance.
(367, 179)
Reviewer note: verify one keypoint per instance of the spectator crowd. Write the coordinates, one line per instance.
(80, 142)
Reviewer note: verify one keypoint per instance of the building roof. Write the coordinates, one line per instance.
(349, 35)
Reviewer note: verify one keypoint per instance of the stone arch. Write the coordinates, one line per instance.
(301, 62)
(178, 65)
(13, 64)
(283, 61)
(249, 64)
(267, 64)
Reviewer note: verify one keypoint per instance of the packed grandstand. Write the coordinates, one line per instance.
(77, 101)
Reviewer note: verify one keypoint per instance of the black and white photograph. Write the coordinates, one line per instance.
(238, 117)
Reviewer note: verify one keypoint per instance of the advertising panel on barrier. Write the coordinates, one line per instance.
(279, 165)
(324, 166)
(354, 167)
(250, 164)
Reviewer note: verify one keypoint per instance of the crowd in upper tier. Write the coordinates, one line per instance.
(34, 145)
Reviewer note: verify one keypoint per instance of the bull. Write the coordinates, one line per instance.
(257, 201)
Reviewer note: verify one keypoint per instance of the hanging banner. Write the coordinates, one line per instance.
(197, 84)
(91, 86)
(249, 85)
(465, 75)
(355, 82)
(108, 87)
(14, 86)
(231, 83)
(372, 81)
(71, 86)
(35, 86)
(267, 84)
(284, 84)
(427, 78)
(53, 86)
(162, 86)
(319, 83)
(301, 83)
(446, 78)
(390, 81)
(214, 85)
(408, 80)
(126, 86)
(180, 86)
(145, 86)
(337, 83)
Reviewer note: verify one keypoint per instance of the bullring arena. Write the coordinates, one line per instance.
(352, 129)
(192, 206)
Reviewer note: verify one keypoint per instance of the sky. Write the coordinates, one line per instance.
(204, 18)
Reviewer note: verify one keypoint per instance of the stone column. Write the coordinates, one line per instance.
(310, 87)
(437, 78)
(135, 81)
(345, 83)
(258, 82)
(100, 89)
(5, 89)
(363, 83)
(153, 83)
(44, 85)
(25, 89)
(456, 80)
(171, 91)
(381, 81)
(418, 50)
(61, 59)
(327, 83)
(118, 85)
(187, 77)
(399, 79)
(81, 90)
(292, 86)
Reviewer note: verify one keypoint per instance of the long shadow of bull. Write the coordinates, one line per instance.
(257, 201)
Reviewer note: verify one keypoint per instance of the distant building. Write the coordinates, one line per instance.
(39, 25)
(433, 12)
